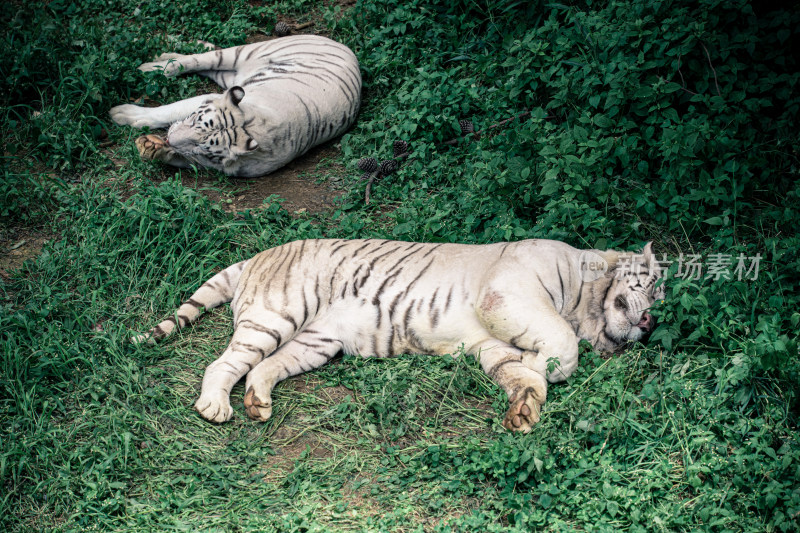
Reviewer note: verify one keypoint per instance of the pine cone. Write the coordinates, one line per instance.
(400, 148)
(282, 29)
(466, 127)
(367, 164)
(389, 166)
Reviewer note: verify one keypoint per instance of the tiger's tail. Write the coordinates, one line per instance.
(214, 292)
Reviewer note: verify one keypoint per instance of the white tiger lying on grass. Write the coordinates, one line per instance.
(282, 98)
(520, 307)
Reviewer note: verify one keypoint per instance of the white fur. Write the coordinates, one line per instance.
(520, 307)
(282, 97)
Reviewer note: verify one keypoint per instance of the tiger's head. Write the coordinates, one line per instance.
(215, 134)
(630, 295)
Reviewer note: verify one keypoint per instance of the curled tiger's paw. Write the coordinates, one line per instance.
(168, 65)
(255, 407)
(131, 115)
(524, 412)
(147, 338)
(163, 58)
(150, 145)
(214, 408)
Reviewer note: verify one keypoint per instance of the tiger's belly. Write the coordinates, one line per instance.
(369, 331)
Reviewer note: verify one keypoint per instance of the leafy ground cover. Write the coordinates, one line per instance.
(663, 121)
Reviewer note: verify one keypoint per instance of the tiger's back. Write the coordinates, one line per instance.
(300, 91)
(377, 297)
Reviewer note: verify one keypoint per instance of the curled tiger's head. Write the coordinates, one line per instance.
(631, 294)
(215, 133)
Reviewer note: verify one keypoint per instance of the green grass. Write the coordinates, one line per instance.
(647, 122)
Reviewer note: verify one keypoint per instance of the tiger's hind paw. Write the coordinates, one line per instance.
(256, 408)
(151, 147)
(214, 409)
(524, 412)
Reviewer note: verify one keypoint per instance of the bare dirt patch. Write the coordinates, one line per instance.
(309, 183)
(18, 245)
(297, 433)
(309, 22)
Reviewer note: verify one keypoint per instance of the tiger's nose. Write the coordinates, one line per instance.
(646, 322)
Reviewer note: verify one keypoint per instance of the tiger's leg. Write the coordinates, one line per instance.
(175, 65)
(250, 344)
(546, 344)
(530, 323)
(223, 78)
(166, 56)
(158, 117)
(526, 388)
(310, 349)
(549, 343)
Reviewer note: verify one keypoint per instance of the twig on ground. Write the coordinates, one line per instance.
(402, 151)
(683, 83)
(708, 56)
(477, 134)
(283, 29)
(372, 176)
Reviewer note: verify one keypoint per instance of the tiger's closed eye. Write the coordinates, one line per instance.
(621, 303)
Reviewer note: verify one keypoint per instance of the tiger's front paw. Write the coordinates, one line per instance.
(214, 407)
(257, 409)
(131, 115)
(141, 338)
(151, 147)
(168, 64)
(524, 412)
(526, 403)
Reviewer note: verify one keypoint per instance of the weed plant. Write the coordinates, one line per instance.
(664, 121)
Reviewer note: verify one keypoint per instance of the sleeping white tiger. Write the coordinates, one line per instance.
(282, 98)
(520, 307)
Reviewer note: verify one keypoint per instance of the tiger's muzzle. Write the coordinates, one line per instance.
(647, 322)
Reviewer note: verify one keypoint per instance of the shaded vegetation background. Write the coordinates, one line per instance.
(667, 121)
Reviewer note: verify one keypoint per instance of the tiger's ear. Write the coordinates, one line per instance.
(649, 256)
(234, 95)
(655, 270)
